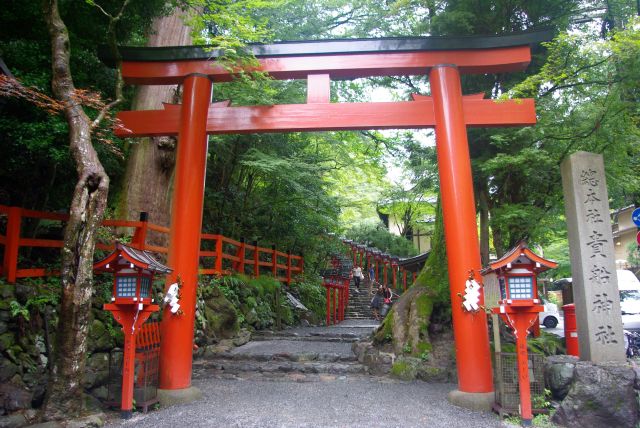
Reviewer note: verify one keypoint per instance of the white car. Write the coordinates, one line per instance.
(629, 287)
(550, 316)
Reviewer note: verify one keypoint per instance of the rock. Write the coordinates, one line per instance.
(14, 398)
(405, 368)
(15, 420)
(7, 291)
(96, 370)
(92, 404)
(378, 363)
(7, 340)
(49, 424)
(221, 317)
(4, 327)
(24, 291)
(14, 352)
(37, 384)
(359, 349)
(243, 337)
(99, 337)
(40, 345)
(251, 317)
(7, 369)
(558, 374)
(101, 393)
(91, 421)
(602, 396)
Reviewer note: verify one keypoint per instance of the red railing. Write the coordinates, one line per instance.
(336, 283)
(223, 258)
(376, 260)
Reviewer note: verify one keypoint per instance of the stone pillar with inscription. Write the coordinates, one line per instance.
(595, 285)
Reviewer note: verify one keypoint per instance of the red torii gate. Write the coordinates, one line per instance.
(318, 62)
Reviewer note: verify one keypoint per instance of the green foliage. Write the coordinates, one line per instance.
(311, 294)
(260, 301)
(541, 401)
(633, 251)
(379, 237)
(435, 274)
(18, 310)
(546, 343)
(45, 292)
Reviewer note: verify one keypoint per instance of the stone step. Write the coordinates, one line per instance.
(235, 367)
(307, 338)
(289, 350)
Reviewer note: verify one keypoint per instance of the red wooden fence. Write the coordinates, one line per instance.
(225, 256)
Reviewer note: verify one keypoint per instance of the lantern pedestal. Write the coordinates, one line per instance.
(520, 316)
(131, 318)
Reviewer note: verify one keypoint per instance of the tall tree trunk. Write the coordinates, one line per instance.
(64, 396)
(151, 163)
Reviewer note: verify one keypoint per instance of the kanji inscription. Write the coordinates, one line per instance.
(595, 287)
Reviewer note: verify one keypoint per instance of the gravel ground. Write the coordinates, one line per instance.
(331, 402)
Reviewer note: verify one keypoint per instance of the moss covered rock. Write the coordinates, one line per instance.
(220, 315)
(407, 324)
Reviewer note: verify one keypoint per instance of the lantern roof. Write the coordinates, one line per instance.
(520, 254)
(414, 264)
(124, 255)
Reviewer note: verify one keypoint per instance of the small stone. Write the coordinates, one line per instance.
(16, 420)
(14, 398)
(326, 378)
(558, 374)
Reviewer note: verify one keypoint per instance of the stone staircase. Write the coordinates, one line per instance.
(300, 354)
(358, 307)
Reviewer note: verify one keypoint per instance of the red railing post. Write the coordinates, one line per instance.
(404, 279)
(240, 255)
(384, 272)
(341, 298)
(218, 264)
(326, 286)
(288, 267)
(335, 306)
(301, 262)
(139, 238)
(274, 261)
(12, 245)
(394, 280)
(256, 259)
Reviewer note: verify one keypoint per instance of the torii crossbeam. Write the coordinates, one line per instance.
(444, 59)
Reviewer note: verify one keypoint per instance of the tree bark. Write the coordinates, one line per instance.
(64, 395)
(147, 185)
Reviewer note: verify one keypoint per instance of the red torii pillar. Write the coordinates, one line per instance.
(186, 226)
(461, 230)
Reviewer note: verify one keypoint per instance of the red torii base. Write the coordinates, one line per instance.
(447, 110)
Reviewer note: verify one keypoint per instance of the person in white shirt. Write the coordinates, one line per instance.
(357, 276)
